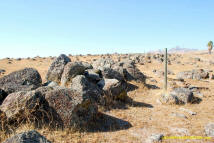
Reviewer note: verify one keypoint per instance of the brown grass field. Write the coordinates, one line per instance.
(147, 118)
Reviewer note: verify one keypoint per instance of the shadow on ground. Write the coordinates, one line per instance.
(107, 123)
(152, 86)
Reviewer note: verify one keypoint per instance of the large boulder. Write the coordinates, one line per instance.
(87, 89)
(3, 95)
(56, 69)
(111, 73)
(114, 88)
(93, 76)
(27, 137)
(197, 74)
(178, 96)
(107, 63)
(70, 71)
(22, 80)
(24, 105)
(133, 73)
(73, 108)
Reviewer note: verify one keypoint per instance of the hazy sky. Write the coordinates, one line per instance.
(52, 27)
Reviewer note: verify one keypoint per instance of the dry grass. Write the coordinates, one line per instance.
(147, 117)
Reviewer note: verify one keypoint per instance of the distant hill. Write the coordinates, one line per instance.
(181, 50)
(176, 50)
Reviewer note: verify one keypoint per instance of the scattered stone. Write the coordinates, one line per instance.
(2, 71)
(27, 137)
(188, 111)
(56, 69)
(209, 129)
(156, 137)
(182, 131)
(18, 59)
(22, 80)
(179, 115)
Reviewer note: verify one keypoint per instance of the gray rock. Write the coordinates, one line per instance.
(87, 89)
(182, 131)
(27, 137)
(73, 109)
(156, 137)
(93, 76)
(22, 80)
(24, 105)
(209, 129)
(197, 74)
(107, 63)
(114, 88)
(179, 115)
(56, 69)
(188, 111)
(111, 73)
(178, 96)
(70, 71)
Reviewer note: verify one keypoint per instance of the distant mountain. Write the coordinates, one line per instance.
(181, 50)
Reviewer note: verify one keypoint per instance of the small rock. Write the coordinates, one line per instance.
(179, 115)
(156, 137)
(188, 111)
(209, 129)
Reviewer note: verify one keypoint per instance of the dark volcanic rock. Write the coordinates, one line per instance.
(3, 95)
(114, 88)
(87, 89)
(23, 105)
(56, 69)
(73, 109)
(22, 80)
(27, 137)
(70, 71)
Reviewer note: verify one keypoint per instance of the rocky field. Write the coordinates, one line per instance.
(107, 98)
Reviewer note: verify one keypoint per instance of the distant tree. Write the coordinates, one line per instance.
(210, 46)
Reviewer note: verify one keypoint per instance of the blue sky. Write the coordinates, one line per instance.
(51, 27)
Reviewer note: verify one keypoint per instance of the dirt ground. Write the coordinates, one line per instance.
(148, 116)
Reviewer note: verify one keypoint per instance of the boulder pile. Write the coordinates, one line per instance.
(71, 95)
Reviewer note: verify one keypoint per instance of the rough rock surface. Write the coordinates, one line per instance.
(3, 95)
(197, 74)
(22, 80)
(87, 89)
(107, 63)
(27, 137)
(178, 96)
(70, 71)
(23, 105)
(56, 69)
(72, 108)
(113, 88)
(93, 76)
(209, 129)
